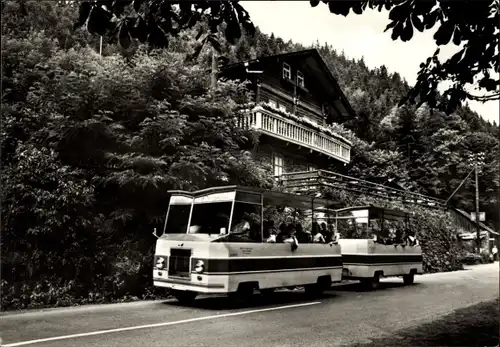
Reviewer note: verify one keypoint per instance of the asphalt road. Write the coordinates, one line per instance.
(343, 315)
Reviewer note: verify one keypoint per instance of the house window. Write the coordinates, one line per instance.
(283, 108)
(311, 168)
(272, 103)
(287, 71)
(278, 165)
(300, 79)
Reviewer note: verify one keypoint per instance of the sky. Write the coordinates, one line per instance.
(358, 36)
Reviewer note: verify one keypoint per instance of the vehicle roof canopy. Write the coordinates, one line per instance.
(253, 195)
(375, 212)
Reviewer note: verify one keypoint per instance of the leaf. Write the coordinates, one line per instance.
(417, 22)
(98, 21)
(156, 36)
(407, 32)
(141, 30)
(124, 36)
(357, 7)
(430, 19)
(83, 14)
(444, 33)
(399, 12)
(489, 84)
(396, 32)
(339, 7)
(137, 5)
(390, 25)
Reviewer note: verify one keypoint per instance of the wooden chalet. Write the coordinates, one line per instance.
(297, 98)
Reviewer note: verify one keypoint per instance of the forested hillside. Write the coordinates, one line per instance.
(90, 145)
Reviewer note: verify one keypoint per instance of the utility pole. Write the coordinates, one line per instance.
(477, 159)
(477, 208)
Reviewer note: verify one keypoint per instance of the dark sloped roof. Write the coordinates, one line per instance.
(305, 54)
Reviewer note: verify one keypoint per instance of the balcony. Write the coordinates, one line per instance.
(307, 135)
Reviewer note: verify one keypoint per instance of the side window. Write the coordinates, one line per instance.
(300, 79)
(272, 103)
(283, 108)
(244, 216)
(278, 165)
(287, 71)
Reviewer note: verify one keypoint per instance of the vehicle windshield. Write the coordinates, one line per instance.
(210, 218)
(178, 219)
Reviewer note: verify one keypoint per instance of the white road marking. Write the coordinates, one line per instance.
(101, 332)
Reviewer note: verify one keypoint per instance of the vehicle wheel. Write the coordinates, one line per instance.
(371, 283)
(408, 279)
(267, 292)
(314, 289)
(241, 296)
(184, 296)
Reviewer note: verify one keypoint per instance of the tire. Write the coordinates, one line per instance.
(268, 292)
(315, 289)
(312, 290)
(371, 283)
(241, 296)
(408, 279)
(184, 296)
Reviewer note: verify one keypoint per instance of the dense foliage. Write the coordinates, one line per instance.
(91, 143)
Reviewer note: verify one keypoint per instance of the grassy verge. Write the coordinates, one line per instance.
(476, 325)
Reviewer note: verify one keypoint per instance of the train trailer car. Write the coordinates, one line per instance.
(393, 249)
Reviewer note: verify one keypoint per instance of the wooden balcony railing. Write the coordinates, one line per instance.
(282, 128)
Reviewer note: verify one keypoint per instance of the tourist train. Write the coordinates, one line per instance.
(234, 240)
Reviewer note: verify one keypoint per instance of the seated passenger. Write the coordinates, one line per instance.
(412, 241)
(302, 236)
(318, 237)
(283, 232)
(290, 238)
(272, 237)
(335, 239)
(391, 236)
(270, 232)
(324, 230)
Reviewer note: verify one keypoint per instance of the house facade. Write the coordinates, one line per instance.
(296, 99)
(467, 232)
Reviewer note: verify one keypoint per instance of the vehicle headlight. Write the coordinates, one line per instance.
(160, 263)
(199, 267)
